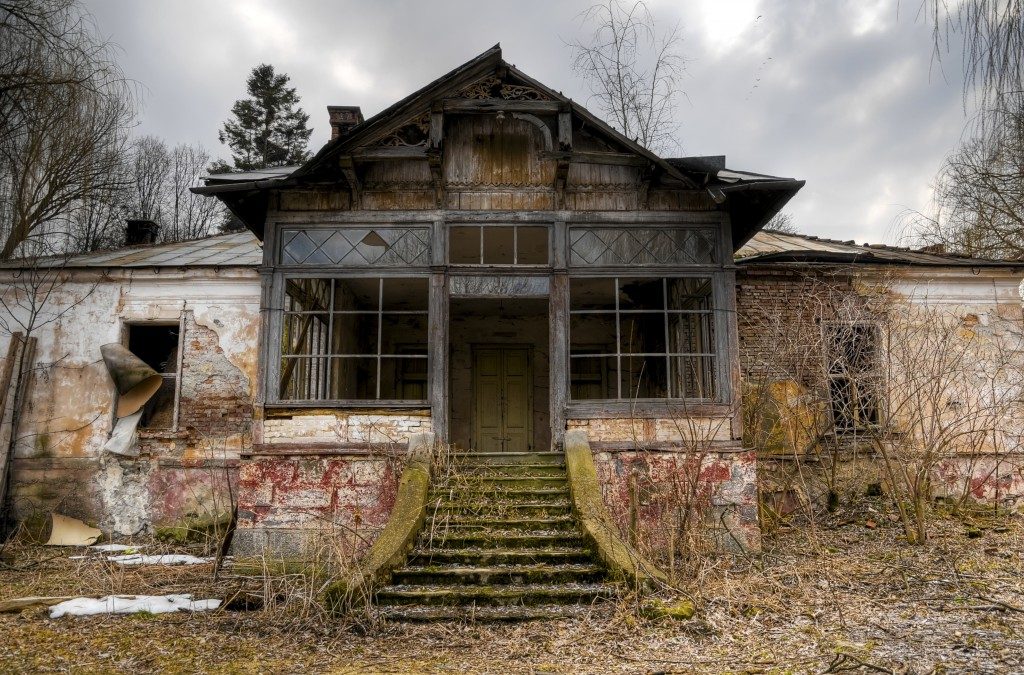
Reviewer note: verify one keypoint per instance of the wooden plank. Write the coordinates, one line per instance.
(558, 346)
(614, 158)
(385, 153)
(493, 105)
(21, 354)
(437, 350)
(565, 131)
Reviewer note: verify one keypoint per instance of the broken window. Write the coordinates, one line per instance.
(642, 338)
(651, 246)
(356, 246)
(354, 339)
(851, 367)
(157, 345)
(498, 245)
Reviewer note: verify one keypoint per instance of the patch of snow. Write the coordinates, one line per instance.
(139, 559)
(131, 604)
(114, 548)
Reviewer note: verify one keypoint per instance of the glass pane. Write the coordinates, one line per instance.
(353, 378)
(405, 295)
(304, 379)
(499, 247)
(592, 378)
(693, 377)
(404, 334)
(691, 333)
(304, 334)
(641, 246)
(591, 294)
(689, 293)
(588, 330)
(356, 246)
(403, 379)
(533, 245)
(642, 333)
(464, 245)
(643, 377)
(642, 294)
(355, 334)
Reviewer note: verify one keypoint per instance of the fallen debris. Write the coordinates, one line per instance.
(18, 604)
(65, 531)
(132, 604)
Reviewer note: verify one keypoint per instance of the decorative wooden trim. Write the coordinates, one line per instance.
(613, 158)
(494, 105)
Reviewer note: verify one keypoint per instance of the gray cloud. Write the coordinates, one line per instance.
(843, 94)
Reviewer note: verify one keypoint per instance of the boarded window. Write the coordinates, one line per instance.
(642, 338)
(157, 345)
(354, 339)
(851, 352)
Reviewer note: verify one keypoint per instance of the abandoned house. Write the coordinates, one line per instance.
(488, 262)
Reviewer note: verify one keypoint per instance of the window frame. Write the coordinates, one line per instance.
(272, 390)
(515, 227)
(870, 377)
(126, 327)
(718, 325)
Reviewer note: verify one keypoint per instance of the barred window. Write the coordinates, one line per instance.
(851, 353)
(642, 338)
(354, 339)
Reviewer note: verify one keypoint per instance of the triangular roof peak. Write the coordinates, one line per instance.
(486, 76)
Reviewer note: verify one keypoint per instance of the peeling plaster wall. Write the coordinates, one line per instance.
(346, 427)
(986, 303)
(67, 416)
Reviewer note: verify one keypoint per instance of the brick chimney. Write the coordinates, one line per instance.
(343, 118)
(138, 232)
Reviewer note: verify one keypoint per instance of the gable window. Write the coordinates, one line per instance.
(498, 245)
(158, 345)
(354, 339)
(851, 352)
(642, 338)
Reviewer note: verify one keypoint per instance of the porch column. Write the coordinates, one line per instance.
(437, 353)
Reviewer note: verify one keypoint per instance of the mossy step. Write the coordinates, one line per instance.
(424, 556)
(503, 509)
(472, 522)
(495, 595)
(502, 539)
(511, 470)
(425, 613)
(503, 491)
(498, 574)
(503, 483)
(477, 458)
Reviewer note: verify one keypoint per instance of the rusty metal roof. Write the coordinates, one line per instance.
(768, 246)
(238, 249)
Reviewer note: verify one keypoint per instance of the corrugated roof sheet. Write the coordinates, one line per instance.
(238, 249)
(769, 246)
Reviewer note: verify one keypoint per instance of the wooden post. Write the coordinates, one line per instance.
(558, 330)
(15, 378)
(437, 350)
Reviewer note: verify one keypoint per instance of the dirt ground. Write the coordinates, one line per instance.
(846, 595)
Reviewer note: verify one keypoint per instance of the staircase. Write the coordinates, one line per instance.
(500, 543)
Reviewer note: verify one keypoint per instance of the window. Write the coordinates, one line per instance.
(642, 338)
(498, 245)
(851, 354)
(157, 345)
(651, 246)
(356, 246)
(354, 339)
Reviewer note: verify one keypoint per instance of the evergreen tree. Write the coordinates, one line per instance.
(268, 129)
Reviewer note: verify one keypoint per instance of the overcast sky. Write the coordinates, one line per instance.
(845, 95)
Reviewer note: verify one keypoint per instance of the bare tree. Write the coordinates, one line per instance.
(149, 169)
(65, 107)
(782, 222)
(191, 215)
(633, 70)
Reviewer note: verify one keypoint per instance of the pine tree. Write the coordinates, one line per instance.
(268, 129)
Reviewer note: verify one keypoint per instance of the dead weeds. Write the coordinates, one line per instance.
(841, 596)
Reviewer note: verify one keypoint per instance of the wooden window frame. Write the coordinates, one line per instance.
(126, 327)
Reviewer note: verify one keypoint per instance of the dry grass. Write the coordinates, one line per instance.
(837, 597)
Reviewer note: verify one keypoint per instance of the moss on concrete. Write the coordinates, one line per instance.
(392, 546)
(621, 559)
(194, 529)
(675, 610)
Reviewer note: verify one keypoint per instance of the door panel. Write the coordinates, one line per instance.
(502, 388)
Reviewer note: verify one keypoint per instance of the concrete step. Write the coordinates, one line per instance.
(447, 575)
(485, 482)
(448, 521)
(494, 595)
(501, 509)
(501, 539)
(424, 613)
(519, 469)
(478, 557)
(497, 492)
(477, 458)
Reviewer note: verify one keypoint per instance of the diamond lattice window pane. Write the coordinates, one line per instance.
(356, 247)
(641, 246)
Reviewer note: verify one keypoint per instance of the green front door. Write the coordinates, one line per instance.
(502, 383)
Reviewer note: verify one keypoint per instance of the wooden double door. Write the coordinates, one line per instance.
(502, 399)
